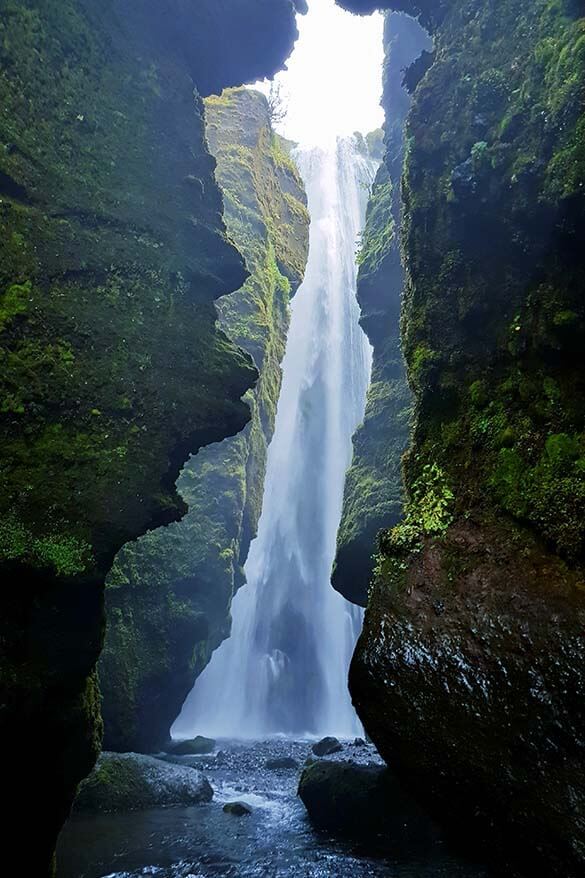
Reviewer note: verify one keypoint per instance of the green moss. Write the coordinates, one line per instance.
(67, 556)
(549, 492)
(14, 302)
(379, 230)
(281, 154)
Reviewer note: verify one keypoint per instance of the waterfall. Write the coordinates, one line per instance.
(284, 668)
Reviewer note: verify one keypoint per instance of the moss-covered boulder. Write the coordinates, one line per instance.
(112, 250)
(198, 746)
(363, 802)
(373, 490)
(169, 594)
(471, 657)
(132, 782)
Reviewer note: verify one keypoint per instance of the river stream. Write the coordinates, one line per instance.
(275, 841)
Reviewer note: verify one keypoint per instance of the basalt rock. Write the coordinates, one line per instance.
(237, 809)
(468, 676)
(112, 251)
(430, 12)
(327, 746)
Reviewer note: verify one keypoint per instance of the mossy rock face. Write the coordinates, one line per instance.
(132, 782)
(373, 489)
(470, 657)
(113, 370)
(169, 595)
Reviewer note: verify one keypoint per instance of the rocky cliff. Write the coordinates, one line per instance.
(373, 492)
(112, 251)
(469, 673)
(168, 596)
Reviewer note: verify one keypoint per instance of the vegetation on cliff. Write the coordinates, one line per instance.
(169, 594)
(483, 581)
(112, 248)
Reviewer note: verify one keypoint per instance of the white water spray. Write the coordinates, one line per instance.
(284, 668)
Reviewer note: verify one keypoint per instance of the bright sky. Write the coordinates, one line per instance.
(333, 82)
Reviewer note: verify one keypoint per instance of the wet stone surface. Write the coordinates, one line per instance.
(275, 841)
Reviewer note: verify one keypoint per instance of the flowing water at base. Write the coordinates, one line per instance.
(275, 841)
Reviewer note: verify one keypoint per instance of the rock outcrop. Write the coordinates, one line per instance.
(366, 803)
(373, 490)
(169, 595)
(112, 250)
(132, 782)
(469, 673)
(327, 746)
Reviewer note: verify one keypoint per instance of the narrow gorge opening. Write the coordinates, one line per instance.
(283, 670)
(208, 283)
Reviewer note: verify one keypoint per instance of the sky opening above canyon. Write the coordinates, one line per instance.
(333, 82)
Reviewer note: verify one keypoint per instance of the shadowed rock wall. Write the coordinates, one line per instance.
(469, 673)
(112, 251)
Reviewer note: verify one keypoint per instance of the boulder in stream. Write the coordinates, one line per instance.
(132, 782)
(198, 746)
(362, 802)
(284, 762)
(238, 809)
(327, 746)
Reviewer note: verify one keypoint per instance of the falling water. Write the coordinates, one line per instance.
(284, 668)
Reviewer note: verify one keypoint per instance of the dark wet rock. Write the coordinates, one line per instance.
(198, 746)
(238, 809)
(492, 692)
(361, 801)
(133, 782)
(463, 179)
(284, 762)
(327, 746)
(359, 742)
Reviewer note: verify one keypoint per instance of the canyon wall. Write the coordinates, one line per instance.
(469, 673)
(112, 251)
(168, 597)
(373, 492)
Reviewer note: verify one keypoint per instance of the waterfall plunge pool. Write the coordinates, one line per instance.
(275, 841)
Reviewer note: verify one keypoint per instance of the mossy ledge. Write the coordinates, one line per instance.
(112, 250)
(469, 673)
(169, 595)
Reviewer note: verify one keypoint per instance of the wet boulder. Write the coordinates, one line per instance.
(132, 782)
(361, 802)
(284, 762)
(198, 746)
(327, 746)
(237, 809)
